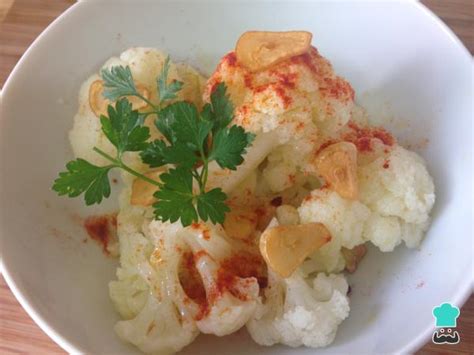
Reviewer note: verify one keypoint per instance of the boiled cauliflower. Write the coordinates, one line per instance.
(298, 311)
(230, 305)
(295, 97)
(403, 188)
(292, 100)
(345, 220)
(175, 282)
(396, 196)
(284, 167)
(149, 289)
(165, 324)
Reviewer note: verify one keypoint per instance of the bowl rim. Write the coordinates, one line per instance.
(461, 294)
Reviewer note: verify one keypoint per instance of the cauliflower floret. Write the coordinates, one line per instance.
(413, 233)
(293, 100)
(403, 188)
(148, 281)
(295, 97)
(166, 322)
(296, 313)
(345, 219)
(130, 292)
(284, 166)
(231, 300)
(145, 65)
(396, 196)
(383, 232)
(157, 329)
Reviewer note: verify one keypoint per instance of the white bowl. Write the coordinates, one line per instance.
(401, 60)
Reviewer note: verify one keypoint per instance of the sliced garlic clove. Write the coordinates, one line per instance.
(337, 165)
(98, 103)
(258, 50)
(284, 248)
(142, 191)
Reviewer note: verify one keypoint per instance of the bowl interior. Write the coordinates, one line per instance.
(410, 73)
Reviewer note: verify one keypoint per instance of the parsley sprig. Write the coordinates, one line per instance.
(191, 140)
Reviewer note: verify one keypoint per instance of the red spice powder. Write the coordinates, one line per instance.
(283, 96)
(248, 80)
(191, 280)
(260, 89)
(260, 211)
(334, 87)
(241, 265)
(214, 86)
(288, 80)
(362, 136)
(250, 265)
(300, 126)
(307, 60)
(230, 59)
(249, 216)
(386, 164)
(204, 300)
(363, 144)
(326, 185)
(206, 234)
(284, 82)
(244, 109)
(337, 88)
(264, 215)
(325, 145)
(199, 255)
(102, 229)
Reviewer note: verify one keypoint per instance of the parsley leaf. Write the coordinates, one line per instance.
(207, 114)
(118, 82)
(167, 91)
(222, 107)
(180, 121)
(229, 146)
(211, 205)
(82, 176)
(175, 197)
(164, 124)
(157, 154)
(192, 139)
(124, 127)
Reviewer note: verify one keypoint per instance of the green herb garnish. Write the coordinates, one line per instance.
(192, 140)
